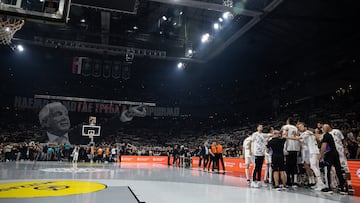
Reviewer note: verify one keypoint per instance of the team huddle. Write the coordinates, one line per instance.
(295, 147)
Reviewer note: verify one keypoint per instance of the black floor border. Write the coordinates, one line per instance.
(137, 199)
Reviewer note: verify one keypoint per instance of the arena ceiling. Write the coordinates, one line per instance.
(292, 39)
(260, 32)
(161, 25)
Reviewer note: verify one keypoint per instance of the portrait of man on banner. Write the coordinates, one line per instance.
(55, 120)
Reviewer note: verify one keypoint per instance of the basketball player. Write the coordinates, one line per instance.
(318, 134)
(258, 145)
(114, 152)
(75, 154)
(310, 140)
(319, 127)
(305, 154)
(339, 143)
(268, 171)
(331, 158)
(292, 147)
(247, 155)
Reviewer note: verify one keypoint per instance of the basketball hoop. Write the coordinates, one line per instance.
(8, 27)
(228, 3)
(91, 135)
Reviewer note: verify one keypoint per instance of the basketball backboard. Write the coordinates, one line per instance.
(51, 11)
(122, 6)
(91, 129)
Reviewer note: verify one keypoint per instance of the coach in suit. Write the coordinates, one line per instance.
(205, 154)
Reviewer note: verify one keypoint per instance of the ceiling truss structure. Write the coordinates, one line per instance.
(105, 47)
(97, 48)
(207, 6)
(245, 28)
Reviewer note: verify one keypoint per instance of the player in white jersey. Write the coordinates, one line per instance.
(305, 158)
(339, 143)
(113, 153)
(247, 155)
(258, 146)
(75, 154)
(339, 139)
(268, 170)
(305, 154)
(310, 141)
(292, 148)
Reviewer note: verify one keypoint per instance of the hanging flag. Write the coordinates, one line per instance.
(107, 69)
(116, 70)
(96, 69)
(86, 67)
(126, 70)
(76, 65)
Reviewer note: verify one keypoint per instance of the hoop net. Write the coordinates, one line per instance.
(8, 27)
(228, 3)
(91, 135)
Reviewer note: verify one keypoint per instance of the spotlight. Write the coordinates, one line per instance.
(189, 52)
(227, 15)
(164, 18)
(180, 65)
(181, 12)
(175, 24)
(216, 26)
(205, 37)
(135, 28)
(221, 20)
(7, 29)
(20, 48)
(82, 21)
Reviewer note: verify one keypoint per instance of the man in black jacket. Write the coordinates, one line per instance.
(276, 147)
(175, 153)
(331, 158)
(205, 154)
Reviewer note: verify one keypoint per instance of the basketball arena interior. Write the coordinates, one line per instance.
(159, 101)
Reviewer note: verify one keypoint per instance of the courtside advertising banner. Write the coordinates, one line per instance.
(354, 167)
(145, 159)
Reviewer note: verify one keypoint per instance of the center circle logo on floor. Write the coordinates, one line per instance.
(47, 188)
(358, 173)
(74, 170)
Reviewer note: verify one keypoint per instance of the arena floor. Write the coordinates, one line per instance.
(132, 183)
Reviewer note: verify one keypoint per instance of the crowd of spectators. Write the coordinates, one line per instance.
(143, 141)
(154, 136)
